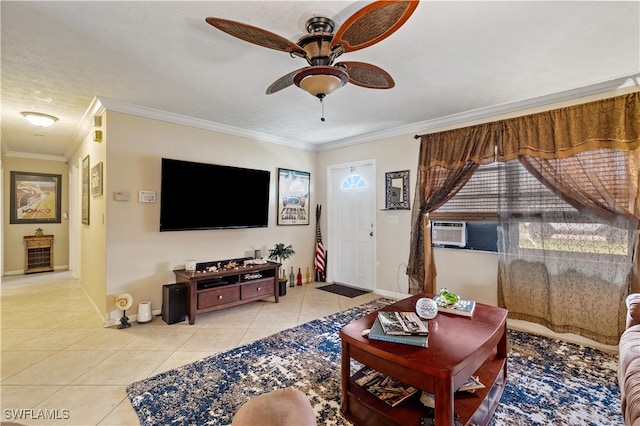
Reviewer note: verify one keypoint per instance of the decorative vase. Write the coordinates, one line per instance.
(144, 312)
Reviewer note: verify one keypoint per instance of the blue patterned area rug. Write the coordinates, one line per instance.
(549, 381)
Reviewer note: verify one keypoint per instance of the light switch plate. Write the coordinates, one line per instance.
(121, 196)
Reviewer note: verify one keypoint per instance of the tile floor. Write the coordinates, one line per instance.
(60, 366)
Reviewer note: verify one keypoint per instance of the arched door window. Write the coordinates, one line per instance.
(353, 181)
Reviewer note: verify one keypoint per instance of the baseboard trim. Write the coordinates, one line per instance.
(391, 294)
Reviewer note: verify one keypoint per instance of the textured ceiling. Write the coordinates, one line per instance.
(161, 59)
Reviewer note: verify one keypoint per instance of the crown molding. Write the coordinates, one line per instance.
(610, 88)
(156, 114)
(32, 156)
(625, 84)
(84, 126)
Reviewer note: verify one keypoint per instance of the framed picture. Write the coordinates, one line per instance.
(293, 197)
(96, 179)
(397, 190)
(85, 190)
(35, 197)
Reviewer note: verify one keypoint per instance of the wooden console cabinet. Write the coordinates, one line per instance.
(38, 253)
(210, 291)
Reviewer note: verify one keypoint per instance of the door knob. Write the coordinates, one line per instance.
(371, 234)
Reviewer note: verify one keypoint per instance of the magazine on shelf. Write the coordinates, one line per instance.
(386, 388)
(377, 333)
(427, 399)
(402, 323)
(470, 386)
(463, 307)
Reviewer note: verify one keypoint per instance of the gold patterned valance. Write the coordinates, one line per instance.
(563, 132)
(559, 133)
(453, 148)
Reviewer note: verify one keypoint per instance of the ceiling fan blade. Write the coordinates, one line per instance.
(373, 23)
(256, 35)
(283, 82)
(367, 75)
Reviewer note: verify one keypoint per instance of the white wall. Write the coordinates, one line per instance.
(139, 258)
(473, 275)
(89, 240)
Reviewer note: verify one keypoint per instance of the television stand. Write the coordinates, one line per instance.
(228, 286)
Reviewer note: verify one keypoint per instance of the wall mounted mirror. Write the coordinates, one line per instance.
(397, 190)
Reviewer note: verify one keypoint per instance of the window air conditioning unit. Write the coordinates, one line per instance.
(449, 233)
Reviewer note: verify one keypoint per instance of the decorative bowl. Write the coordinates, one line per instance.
(426, 308)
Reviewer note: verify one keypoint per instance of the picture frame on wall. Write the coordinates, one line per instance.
(293, 197)
(85, 190)
(35, 197)
(96, 179)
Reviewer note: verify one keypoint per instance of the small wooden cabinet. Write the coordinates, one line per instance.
(38, 253)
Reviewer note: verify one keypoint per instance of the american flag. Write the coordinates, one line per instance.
(319, 262)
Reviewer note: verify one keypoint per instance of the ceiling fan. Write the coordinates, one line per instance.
(370, 25)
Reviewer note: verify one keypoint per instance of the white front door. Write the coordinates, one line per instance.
(351, 199)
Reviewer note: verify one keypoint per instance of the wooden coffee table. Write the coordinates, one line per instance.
(459, 347)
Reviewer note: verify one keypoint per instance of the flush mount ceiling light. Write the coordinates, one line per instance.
(39, 119)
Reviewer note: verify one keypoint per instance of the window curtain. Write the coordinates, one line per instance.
(561, 267)
(588, 155)
(612, 124)
(445, 165)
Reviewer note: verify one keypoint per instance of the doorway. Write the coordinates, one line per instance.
(351, 224)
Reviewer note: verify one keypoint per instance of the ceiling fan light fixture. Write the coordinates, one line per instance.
(320, 81)
(39, 119)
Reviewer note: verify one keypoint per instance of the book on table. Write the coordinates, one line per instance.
(377, 333)
(464, 307)
(402, 323)
(388, 389)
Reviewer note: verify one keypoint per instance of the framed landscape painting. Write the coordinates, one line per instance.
(35, 197)
(293, 197)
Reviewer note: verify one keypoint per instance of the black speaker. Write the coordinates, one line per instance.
(174, 303)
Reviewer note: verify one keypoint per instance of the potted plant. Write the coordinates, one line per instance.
(280, 253)
(39, 232)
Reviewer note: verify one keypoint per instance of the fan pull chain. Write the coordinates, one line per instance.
(322, 104)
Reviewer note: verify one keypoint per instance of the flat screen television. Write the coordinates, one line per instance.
(210, 196)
